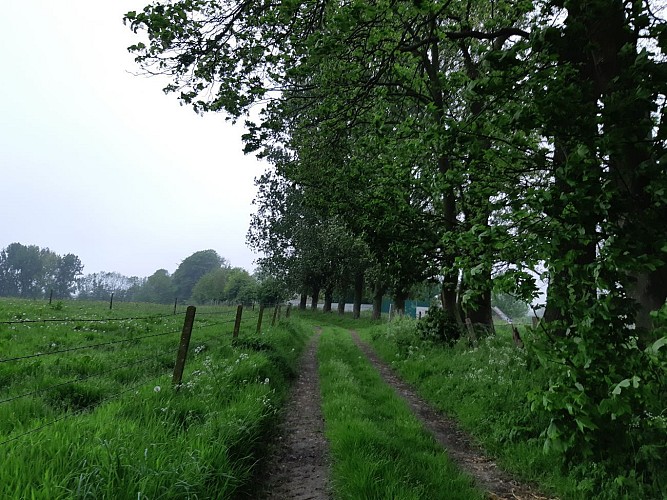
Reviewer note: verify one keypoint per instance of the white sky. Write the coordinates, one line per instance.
(100, 163)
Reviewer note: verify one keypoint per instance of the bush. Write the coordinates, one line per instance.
(438, 327)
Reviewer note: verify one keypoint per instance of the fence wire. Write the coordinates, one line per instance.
(249, 318)
(82, 378)
(77, 412)
(91, 346)
(86, 320)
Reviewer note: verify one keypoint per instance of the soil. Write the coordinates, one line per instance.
(298, 467)
(459, 445)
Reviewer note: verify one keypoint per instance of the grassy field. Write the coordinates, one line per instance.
(87, 409)
(486, 388)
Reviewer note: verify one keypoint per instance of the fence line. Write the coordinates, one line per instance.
(179, 365)
(229, 321)
(84, 320)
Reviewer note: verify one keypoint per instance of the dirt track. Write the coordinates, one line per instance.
(299, 466)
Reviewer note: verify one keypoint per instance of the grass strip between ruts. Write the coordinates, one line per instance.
(379, 448)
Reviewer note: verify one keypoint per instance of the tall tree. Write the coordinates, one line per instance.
(192, 268)
(157, 288)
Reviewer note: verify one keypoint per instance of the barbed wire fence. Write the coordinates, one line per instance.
(221, 320)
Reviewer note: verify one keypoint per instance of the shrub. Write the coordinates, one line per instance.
(438, 327)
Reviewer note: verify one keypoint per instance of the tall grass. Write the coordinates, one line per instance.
(379, 448)
(128, 433)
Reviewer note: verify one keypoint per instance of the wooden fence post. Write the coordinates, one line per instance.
(51, 296)
(287, 311)
(259, 319)
(175, 304)
(237, 323)
(275, 314)
(183, 346)
(111, 302)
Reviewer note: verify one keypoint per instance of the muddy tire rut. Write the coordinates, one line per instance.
(298, 467)
(458, 444)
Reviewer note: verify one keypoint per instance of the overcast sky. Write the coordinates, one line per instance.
(100, 163)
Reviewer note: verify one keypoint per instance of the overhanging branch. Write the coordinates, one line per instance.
(480, 35)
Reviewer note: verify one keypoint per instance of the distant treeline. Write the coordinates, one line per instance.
(34, 272)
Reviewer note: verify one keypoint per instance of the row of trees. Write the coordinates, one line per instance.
(31, 272)
(471, 143)
(203, 277)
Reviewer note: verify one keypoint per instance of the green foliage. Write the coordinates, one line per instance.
(241, 288)
(438, 326)
(192, 269)
(607, 406)
(515, 308)
(226, 284)
(100, 286)
(158, 288)
(454, 140)
(404, 332)
(271, 290)
(28, 271)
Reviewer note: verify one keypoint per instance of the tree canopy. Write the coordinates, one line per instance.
(476, 144)
(192, 268)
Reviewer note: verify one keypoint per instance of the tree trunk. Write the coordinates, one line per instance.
(328, 299)
(448, 297)
(303, 301)
(649, 292)
(315, 299)
(377, 304)
(341, 305)
(399, 303)
(378, 293)
(358, 293)
(482, 315)
(479, 310)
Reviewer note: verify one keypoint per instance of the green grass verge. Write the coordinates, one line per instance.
(485, 388)
(379, 449)
(133, 436)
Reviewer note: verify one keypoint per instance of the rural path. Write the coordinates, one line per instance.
(299, 465)
(458, 444)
